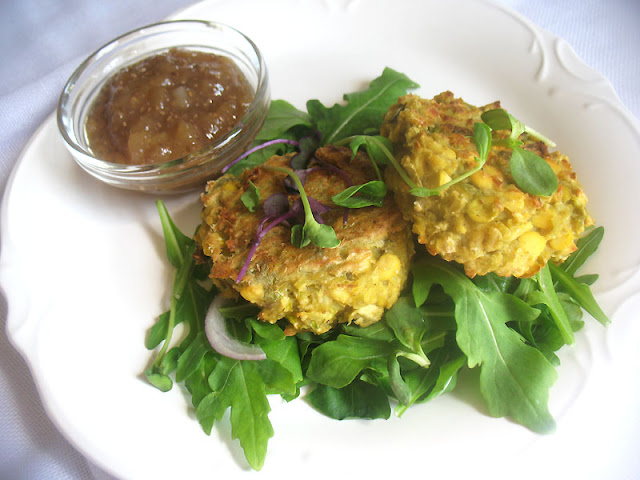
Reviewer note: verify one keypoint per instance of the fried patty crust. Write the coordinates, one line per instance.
(484, 222)
(313, 288)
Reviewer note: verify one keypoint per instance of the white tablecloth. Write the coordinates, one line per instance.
(41, 43)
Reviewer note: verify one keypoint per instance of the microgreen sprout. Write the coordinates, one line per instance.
(530, 172)
(364, 195)
(251, 198)
(312, 231)
(277, 211)
(379, 150)
(499, 119)
(482, 139)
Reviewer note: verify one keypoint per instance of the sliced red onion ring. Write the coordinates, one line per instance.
(216, 331)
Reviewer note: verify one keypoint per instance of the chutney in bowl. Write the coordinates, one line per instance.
(164, 108)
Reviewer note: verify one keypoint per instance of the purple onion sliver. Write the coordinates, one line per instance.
(256, 148)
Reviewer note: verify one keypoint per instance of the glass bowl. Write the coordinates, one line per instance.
(194, 169)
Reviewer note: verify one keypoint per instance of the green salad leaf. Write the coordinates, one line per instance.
(587, 246)
(515, 378)
(238, 385)
(363, 111)
(359, 399)
(504, 327)
(282, 117)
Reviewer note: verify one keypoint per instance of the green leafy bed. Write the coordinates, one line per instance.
(444, 322)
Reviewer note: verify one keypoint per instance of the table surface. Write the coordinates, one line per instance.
(43, 42)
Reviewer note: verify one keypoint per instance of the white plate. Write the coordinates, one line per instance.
(83, 264)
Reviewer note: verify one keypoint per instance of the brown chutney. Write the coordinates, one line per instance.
(167, 106)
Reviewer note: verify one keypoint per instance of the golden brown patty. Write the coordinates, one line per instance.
(313, 288)
(485, 222)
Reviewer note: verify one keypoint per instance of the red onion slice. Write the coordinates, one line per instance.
(216, 331)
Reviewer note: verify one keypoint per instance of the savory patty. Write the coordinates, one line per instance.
(484, 222)
(313, 288)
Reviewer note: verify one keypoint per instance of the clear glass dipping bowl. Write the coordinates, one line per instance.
(188, 172)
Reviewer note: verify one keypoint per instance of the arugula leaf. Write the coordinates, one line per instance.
(239, 311)
(588, 279)
(580, 292)
(409, 326)
(180, 249)
(543, 332)
(176, 242)
(587, 246)
(210, 410)
(158, 331)
(238, 385)
(281, 124)
(378, 331)
(191, 358)
(553, 302)
(364, 110)
(447, 373)
(338, 362)
(282, 371)
(400, 389)
(439, 378)
(282, 117)
(356, 400)
(197, 384)
(515, 378)
(491, 281)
